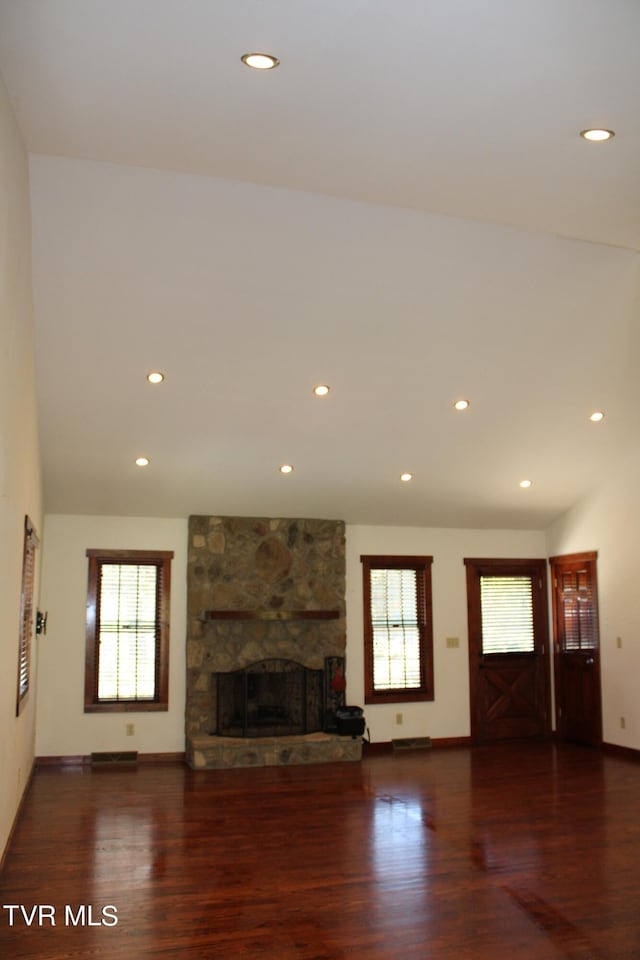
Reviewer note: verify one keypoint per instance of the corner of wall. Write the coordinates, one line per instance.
(20, 480)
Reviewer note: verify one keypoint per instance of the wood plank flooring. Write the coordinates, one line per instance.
(513, 851)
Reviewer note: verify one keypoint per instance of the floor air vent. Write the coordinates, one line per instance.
(122, 756)
(412, 743)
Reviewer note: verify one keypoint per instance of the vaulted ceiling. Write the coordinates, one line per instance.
(403, 209)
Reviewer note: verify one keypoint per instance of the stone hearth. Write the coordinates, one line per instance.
(261, 589)
(214, 753)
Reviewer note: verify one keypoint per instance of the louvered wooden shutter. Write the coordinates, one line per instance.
(580, 630)
(26, 610)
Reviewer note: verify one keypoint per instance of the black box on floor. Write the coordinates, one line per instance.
(349, 721)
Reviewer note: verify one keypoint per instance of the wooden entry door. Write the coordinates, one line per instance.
(509, 673)
(576, 648)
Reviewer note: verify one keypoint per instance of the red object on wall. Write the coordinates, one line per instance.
(338, 683)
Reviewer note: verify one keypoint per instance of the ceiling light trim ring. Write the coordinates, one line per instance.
(260, 61)
(597, 134)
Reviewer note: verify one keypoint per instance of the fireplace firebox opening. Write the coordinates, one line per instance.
(270, 698)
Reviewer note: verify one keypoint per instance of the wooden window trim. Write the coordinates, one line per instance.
(27, 609)
(162, 558)
(583, 556)
(422, 566)
(536, 568)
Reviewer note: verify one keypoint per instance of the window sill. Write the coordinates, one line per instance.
(126, 706)
(399, 696)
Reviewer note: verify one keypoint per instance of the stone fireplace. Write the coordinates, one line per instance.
(266, 640)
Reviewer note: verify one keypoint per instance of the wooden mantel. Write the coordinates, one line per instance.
(271, 615)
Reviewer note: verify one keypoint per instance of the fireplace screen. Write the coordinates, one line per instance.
(271, 698)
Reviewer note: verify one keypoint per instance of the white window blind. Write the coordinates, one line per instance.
(507, 614)
(128, 628)
(396, 630)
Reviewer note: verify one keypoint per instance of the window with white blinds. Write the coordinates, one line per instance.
(396, 629)
(127, 630)
(397, 622)
(507, 614)
(128, 617)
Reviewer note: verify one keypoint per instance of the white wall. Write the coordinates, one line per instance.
(604, 522)
(607, 521)
(20, 489)
(64, 729)
(448, 715)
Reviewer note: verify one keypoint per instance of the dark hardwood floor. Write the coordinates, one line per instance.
(521, 851)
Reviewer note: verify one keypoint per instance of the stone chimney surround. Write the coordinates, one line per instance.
(259, 588)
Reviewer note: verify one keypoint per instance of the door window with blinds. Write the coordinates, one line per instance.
(506, 604)
(127, 654)
(398, 641)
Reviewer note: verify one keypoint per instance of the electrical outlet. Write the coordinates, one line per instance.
(623, 723)
(619, 642)
(398, 718)
(453, 641)
(130, 729)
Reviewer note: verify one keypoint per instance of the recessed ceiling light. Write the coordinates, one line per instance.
(321, 390)
(597, 416)
(525, 484)
(597, 135)
(462, 404)
(405, 477)
(155, 376)
(260, 61)
(286, 468)
(142, 461)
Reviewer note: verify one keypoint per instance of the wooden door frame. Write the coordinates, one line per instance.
(590, 556)
(534, 567)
